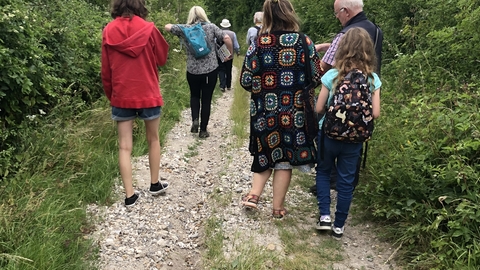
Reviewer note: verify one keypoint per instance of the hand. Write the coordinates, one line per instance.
(323, 47)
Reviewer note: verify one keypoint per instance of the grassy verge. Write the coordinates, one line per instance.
(239, 112)
(64, 166)
(68, 159)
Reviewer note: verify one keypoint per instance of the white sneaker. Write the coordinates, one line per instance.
(337, 232)
(324, 223)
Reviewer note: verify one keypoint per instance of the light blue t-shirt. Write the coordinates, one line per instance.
(329, 76)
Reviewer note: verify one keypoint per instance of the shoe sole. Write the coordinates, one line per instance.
(250, 205)
(161, 191)
(133, 204)
(203, 136)
(324, 228)
(337, 237)
(195, 127)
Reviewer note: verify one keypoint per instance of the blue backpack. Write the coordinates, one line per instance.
(196, 40)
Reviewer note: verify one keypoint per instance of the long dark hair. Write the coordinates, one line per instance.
(129, 8)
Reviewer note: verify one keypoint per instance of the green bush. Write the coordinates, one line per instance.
(424, 177)
(26, 78)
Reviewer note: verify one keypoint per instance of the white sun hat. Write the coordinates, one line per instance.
(225, 23)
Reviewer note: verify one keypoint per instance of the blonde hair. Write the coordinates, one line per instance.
(355, 50)
(197, 14)
(258, 17)
(279, 15)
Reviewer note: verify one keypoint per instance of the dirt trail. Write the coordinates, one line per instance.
(166, 232)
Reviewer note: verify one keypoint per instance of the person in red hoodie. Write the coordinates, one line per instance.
(132, 49)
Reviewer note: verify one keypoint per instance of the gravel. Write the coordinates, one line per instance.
(167, 231)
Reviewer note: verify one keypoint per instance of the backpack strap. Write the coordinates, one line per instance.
(365, 154)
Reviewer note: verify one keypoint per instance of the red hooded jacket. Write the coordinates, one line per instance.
(131, 51)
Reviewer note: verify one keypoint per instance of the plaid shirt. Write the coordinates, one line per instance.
(329, 56)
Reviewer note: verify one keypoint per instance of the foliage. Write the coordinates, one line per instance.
(239, 12)
(49, 51)
(62, 155)
(26, 81)
(318, 21)
(66, 162)
(425, 176)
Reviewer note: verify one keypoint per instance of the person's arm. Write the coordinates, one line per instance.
(228, 41)
(322, 100)
(236, 46)
(106, 72)
(322, 47)
(168, 27)
(375, 86)
(314, 62)
(329, 58)
(325, 67)
(161, 48)
(376, 103)
(249, 35)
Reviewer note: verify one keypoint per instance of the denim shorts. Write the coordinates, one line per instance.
(122, 114)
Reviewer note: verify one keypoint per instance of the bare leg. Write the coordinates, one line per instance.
(259, 181)
(151, 127)
(125, 144)
(281, 182)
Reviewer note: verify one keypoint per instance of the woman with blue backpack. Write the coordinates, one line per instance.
(199, 36)
(350, 100)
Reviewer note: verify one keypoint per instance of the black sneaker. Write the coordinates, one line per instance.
(337, 232)
(324, 224)
(204, 134)
(195, 126)
(158, 188)
(129, 202)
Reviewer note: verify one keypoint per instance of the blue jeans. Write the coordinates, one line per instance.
(347, 157)
(123, 114)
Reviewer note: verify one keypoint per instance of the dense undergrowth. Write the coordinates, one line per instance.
(58, 145)
(58, 148)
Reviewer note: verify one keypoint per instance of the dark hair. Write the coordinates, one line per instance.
(129, 8)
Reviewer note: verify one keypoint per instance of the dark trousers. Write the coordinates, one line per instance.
(333, 175)
(201, 92)
(225, 73)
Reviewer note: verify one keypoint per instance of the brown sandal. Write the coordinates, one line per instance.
(279, 213)
(250, 201)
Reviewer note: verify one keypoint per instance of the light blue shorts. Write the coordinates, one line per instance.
(122, 114)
